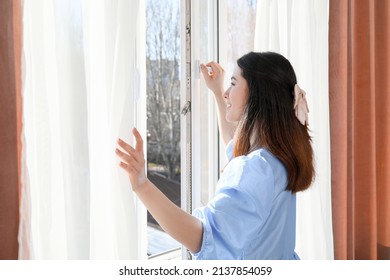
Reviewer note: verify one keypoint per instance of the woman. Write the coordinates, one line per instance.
(263, 120)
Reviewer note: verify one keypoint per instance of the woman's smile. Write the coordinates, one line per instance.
(236, 96)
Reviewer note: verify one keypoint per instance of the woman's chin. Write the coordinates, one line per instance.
(230, 119)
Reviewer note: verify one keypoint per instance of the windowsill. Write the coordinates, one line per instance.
(161, 246)
(173, 254)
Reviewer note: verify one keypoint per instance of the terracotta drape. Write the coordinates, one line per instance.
(359, 85)
(10, 124)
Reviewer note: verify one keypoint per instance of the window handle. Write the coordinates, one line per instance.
(186, 108)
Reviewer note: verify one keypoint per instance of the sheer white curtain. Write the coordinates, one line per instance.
(83, 72)
(298, 29)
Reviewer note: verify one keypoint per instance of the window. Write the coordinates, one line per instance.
(183, 154)
(78, 99)
(236, 28)
(237, 25)
(163, 110)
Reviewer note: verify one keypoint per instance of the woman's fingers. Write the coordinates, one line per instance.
(132, 157)
(126, 158)
(132, 160)
(130, 150)
(205, 72)
(139, 142)
(215, 81)
(123, 165)
(215, 67)
(130, 169)
(128, 162)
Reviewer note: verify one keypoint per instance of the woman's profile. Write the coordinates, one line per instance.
(262, 119)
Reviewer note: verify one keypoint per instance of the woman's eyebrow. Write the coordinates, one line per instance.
(233, 78)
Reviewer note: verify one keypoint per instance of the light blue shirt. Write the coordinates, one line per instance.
(252, 216)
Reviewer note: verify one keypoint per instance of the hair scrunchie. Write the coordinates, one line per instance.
(300, 105)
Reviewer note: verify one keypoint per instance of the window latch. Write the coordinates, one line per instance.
(186, 108)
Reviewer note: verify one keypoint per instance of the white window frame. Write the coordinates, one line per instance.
(190, 92)
(190, 98)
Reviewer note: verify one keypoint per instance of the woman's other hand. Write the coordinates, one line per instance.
(133, 161)
(215, 78)
(176, 222)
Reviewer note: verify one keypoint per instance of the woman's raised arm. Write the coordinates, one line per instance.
(215, 83)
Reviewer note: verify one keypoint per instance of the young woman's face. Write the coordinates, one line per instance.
(236, 96)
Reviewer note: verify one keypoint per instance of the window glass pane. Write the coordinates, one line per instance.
(163, 109)
(241, 22)
(205, 162)
(237, 21)
(238, 32)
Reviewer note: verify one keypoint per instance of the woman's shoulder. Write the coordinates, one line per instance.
(248, 169)
(258, 167)
(263, 159)
(250, 174)
(260, 158)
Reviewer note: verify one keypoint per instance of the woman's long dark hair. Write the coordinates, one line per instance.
(269, 120)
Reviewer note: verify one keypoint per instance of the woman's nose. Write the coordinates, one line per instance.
(226, 94)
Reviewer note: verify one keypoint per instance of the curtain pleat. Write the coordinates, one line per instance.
(84, 65)
(360, 121)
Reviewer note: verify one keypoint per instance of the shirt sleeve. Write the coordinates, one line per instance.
(237, 212)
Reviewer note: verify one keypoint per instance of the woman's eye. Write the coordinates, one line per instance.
(233, 84)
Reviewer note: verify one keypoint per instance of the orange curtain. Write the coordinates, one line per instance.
(10, 126)
(359, 92)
